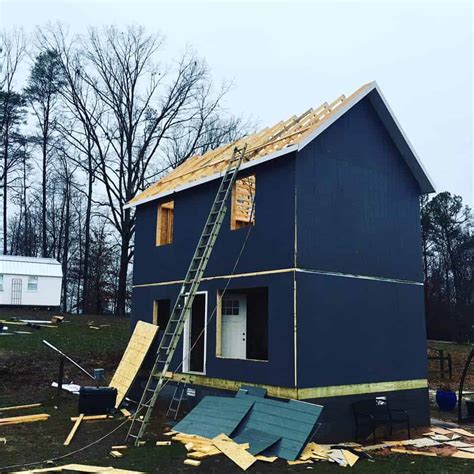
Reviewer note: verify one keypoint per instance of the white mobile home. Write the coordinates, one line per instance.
(30, 281)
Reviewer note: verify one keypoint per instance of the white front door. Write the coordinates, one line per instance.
(234, 326)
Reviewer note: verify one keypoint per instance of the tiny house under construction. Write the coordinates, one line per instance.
(30, 281)
(325, 303)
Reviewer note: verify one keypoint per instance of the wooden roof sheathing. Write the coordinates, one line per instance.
(265, 142)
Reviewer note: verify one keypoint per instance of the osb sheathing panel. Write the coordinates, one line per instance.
(265, 142)
(133, 358)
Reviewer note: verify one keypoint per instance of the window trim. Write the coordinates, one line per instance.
(161, 215)
(36, 280)
(235, 223)
(2, 277)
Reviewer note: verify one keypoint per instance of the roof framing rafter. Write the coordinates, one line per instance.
(282, 139)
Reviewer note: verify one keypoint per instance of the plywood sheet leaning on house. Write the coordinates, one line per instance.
(133, 358)
(214, 415)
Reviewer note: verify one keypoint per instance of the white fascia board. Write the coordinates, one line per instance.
(206, 179)
(400, 129)
(341, 110)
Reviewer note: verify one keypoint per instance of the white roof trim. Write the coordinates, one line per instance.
(211, 177)
(32, 266)
(341, 110)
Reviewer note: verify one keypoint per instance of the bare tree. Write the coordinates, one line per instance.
(45, 82)
(12, 50)
(143, 106)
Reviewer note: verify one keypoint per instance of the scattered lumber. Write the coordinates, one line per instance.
(351, 458)
(463, 455)
(233, 451)
(116, 454)
(118, 447)
(81, 468)
(14, 420)
(459, 431)
(57, 319)
(409, 451)
(260, 457)
(20, 407)
(441, 431)
(192, 462)
(91, 417)
(125, 412)
(298, 462)
(163, 443)
(73, 430)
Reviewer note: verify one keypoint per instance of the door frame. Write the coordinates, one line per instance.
(187, 335)
(19, 282)
(242, 298)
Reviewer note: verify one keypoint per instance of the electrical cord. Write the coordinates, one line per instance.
(209, 319)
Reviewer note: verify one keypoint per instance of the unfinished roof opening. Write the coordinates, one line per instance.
(164, 223)
(243, 208)
(242, 324)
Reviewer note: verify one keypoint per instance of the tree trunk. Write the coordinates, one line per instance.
(5, 197)
(66, 245)
(123, 269)
(85, 294)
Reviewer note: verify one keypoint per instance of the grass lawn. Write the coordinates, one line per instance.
(27, 368)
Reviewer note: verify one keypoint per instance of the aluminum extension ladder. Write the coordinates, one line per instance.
(184, 302)
(180, 395)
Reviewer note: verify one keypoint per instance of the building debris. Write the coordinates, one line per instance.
(273, 427)
(163, 443)
(20, 407)
(234, 452)
(14, 420)
(192, 462)
(68, 468)
(116, 454)
(408, 451)
(91, 417)
(73, 430)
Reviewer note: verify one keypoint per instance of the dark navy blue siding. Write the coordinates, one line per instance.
(353, 331)
(358, 203)
(279, 370)
(270, 245)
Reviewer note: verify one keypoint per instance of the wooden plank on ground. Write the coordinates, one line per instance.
(133, 358)
(20, 407)
(233, 451)
(351, 458)
(261, 457)
(15, 420)
(409, 451)
(91, 417)
(459, 431)
(463, 455)
(74, 429)
(192, 462)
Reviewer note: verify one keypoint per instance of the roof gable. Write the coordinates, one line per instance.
(283, 138)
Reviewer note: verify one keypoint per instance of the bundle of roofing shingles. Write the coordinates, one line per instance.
(250, 428)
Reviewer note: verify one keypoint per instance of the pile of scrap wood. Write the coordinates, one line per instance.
(449, 441)
(15, 420)
(80, 468)
(200, 448)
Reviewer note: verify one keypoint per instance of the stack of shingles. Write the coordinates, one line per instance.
(439, 441)
(247, 428)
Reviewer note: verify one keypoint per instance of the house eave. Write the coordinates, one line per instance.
(212, 177)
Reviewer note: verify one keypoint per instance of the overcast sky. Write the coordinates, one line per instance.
(286, 57)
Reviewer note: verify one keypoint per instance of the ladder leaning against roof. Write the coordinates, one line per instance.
(183, 305)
